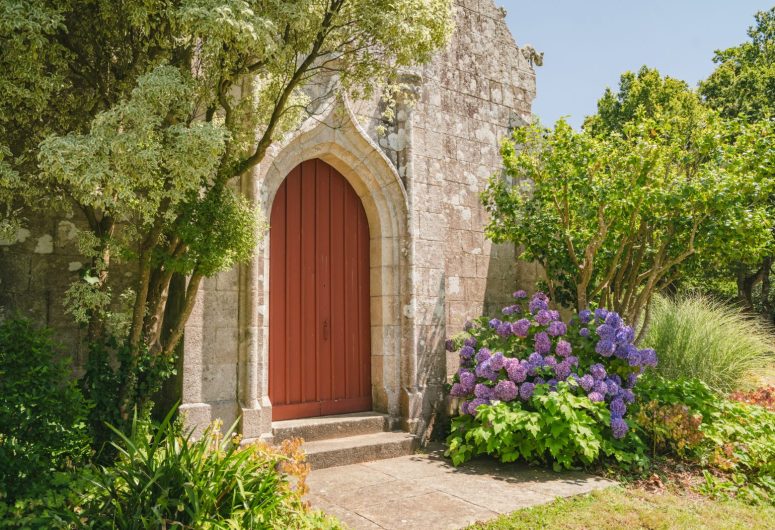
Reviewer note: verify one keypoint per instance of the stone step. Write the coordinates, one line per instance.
(361, 448)
(329, 427)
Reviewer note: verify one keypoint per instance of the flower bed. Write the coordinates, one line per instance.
(530, 361)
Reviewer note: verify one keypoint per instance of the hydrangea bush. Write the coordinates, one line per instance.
(516, 361)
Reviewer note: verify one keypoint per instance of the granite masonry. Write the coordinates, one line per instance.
(418, 175)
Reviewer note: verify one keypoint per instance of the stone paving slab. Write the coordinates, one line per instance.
(424, 491)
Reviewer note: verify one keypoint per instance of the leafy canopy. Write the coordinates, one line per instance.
(617, 211)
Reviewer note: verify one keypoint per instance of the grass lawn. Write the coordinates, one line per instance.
(616, 508)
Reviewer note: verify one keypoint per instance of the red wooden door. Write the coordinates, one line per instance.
(319, 322)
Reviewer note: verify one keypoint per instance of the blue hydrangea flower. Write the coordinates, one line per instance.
(604, 331)
(526, 390)
(535, 359)
(539, 381)
(520, 294)
(584, 332)
(648, 357)
(520, 327)
(598, 371)
(585, 316)
(633, 358)
(563, 348)
(595, 397)
(627, 395)
(552, 385)
(619, 427)
(470, 341)
(600, 314)
(494, 323)
(631, 380)
(543, 343)
(618, 408)
(557, 328)
(505, 390)
(466, 352)
(625, 335)
(483, 355)
(613, 387)
(587, 382)
(613, 319)
(605, 347)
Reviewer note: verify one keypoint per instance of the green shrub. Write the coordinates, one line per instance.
(734, 442)
(714, 342)
(42, 412)
(559, 427)
(162, 479)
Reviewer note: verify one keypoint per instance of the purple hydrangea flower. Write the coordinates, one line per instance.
(618, 408)
(539, 381)
(449, 345)
(497, 361)
(543, 343)
(482, 391)
(466, 352)
(598, 371)
(512, 310)
(538, 302)
(595, 397)
(585, 316)
(467, 380)
(562, 370)
(613, 387)
(517, 371)
(587, 382)
(550, 360)
(552, 384)
(563, 348)
(494, 323)
(457, 390)
(557, 328)
(604, 331)
(520, 327)
(572, 360)
(600, 387)
(520, 294)
(468, 326)
(621, 350)
(470, 341)
(631, 380)
(627, 395)
(605, 347)
(554, 314)
(600, 314)
(535, 359)
(485, 371)
(543, 317)
(483, 355)
(475, 404)
(505, 390)
(584, 332)
(619, 427)
(503, 329)
(526, 390)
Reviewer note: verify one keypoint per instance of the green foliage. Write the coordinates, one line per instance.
(623, 208)
(559, 427)
(42, 413)
(163, 479)
(697, 337)
(736, 441)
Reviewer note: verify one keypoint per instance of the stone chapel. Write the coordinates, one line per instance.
(374, 255)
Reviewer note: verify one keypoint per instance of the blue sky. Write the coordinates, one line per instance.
(588, 44)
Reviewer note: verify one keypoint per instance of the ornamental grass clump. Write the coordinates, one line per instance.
(546, 390)
(698, 337)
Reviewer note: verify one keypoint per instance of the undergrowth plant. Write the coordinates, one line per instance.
(712, 341)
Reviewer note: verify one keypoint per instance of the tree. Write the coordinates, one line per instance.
(142, 115)
(619, 210)
(742, 88)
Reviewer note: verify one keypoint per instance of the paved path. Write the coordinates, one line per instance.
(425, 491)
